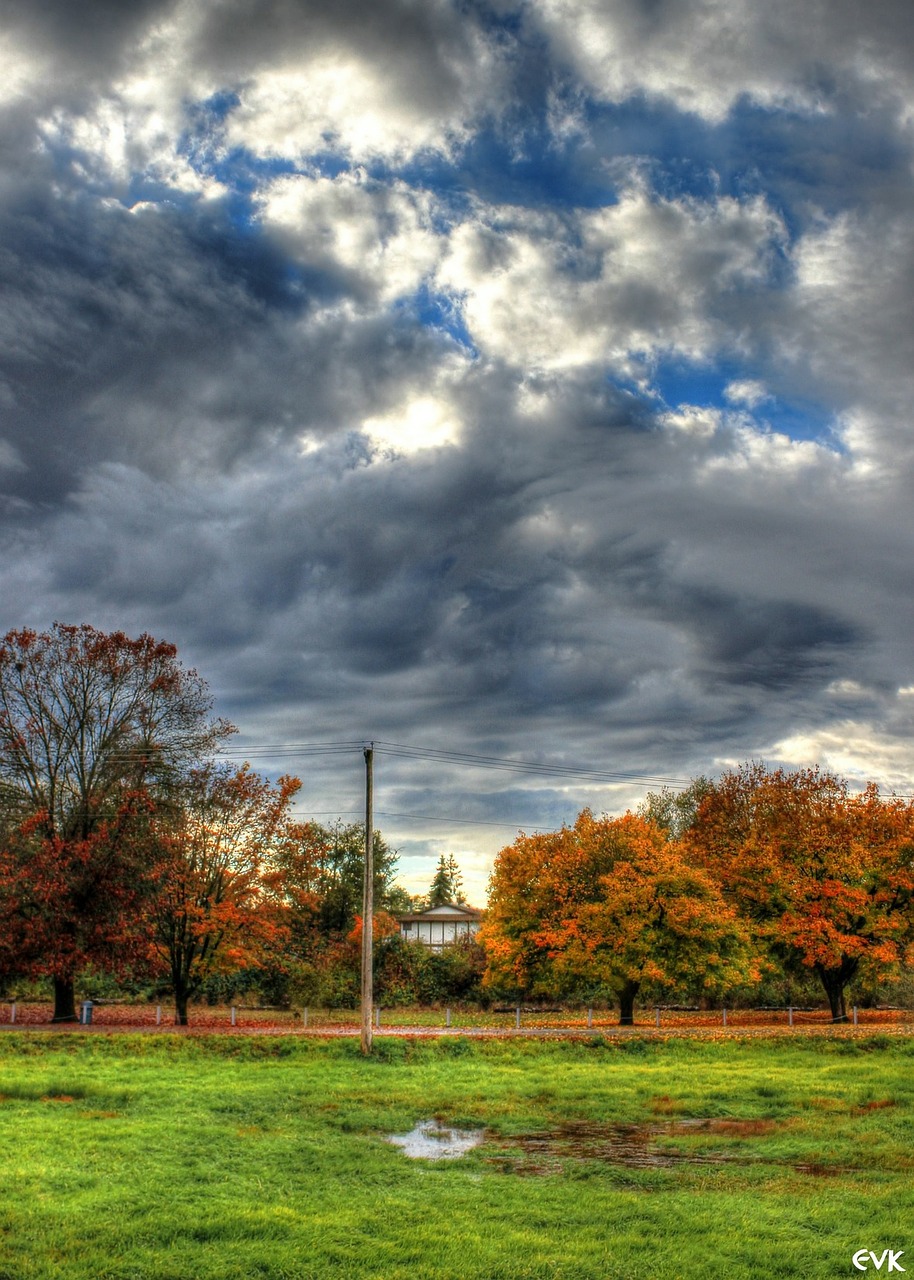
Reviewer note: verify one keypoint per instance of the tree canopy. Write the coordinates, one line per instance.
(825, 877)
(609, 904)
(220, 848)
(92, 726)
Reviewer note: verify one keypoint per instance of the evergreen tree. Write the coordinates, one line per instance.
(456, 879)
(447, 883)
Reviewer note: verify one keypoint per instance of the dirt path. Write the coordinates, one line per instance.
(648, 1030)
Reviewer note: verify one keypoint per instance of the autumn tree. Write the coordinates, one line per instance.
(825, 878)
(320, 870)
(608, 903)
(323, 871)
(539, 880)
(92, 725)
(221, 844)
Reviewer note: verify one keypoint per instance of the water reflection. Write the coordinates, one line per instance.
(432, 1140)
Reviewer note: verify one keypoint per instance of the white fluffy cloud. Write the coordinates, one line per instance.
(601, 286)
(363, 81)
(336, 101)
(848, 328)
(859, 750)
(705, 55)
(285, 82)
(422, 422)
(377, 238)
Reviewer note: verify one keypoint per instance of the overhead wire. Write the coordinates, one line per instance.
(509, 764)
(421, 817)
(405, 751)
(440, 755)
(272, 749)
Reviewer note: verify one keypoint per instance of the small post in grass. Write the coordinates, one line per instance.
(12, 1013)
(234, 1017)
(517, 1018)
(304, 1018)
(377, 1015)
(158, 1015)
(590, 1017)
(725, 1017)
(657, 1013)
(790, 1015)
(855, 1015)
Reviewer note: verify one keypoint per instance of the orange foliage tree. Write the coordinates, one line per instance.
(613, 904)
(825, 878)
(217, 902)
(92, 726)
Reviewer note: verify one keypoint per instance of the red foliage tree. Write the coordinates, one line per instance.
(92, 725)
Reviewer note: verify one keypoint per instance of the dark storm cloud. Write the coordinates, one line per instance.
(223, 366)
(87, 41)
(541, 597)
(166, 339)
(113, 322)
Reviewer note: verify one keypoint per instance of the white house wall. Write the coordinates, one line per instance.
(438, 933)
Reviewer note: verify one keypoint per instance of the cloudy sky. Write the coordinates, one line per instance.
(520, 379)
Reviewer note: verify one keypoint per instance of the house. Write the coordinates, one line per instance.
(439, 926)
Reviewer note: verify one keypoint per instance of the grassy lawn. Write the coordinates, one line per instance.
(222, 1158)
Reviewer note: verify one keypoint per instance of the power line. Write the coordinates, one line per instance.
(474, 760)
(510, 764)
(405, 751)
(272, 749)
(423, 817)
(465, 822)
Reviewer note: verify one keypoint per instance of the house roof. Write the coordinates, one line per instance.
(447, 911)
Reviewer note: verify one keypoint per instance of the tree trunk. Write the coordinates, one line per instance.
(64, 1000)
(834, 981)
(627, 1004)
(180, 1008)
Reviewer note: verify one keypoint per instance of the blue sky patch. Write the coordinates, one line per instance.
(705, 385)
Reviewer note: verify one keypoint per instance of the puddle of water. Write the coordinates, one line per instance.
(432, 1140)
(633, 1146)
(629, 1145)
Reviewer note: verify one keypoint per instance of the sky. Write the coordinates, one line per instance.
(495, 381)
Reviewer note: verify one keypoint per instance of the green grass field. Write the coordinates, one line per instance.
(217, 1158)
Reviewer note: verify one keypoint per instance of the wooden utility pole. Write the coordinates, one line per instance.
(368, 902)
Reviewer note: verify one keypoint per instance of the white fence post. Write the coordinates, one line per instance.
(517, 1018)
(790, 1015)
(234, 1018)
(377, 1015)
(855, 1015)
